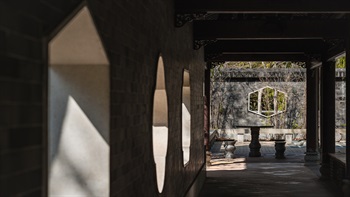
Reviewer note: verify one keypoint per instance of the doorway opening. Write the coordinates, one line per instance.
(78, 110)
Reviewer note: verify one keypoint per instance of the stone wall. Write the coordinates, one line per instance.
(340, 104)
(234, 97)
(235, 105)
(133, 35)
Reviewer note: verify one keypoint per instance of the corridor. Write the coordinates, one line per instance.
(265, 176)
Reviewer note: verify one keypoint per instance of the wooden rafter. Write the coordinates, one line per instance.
(267, 46)
(270, 29)
(263, 6)
(259, 57)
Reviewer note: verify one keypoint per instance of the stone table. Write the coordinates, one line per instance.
(255, 144)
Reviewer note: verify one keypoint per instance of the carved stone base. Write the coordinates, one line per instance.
(255, 144)
(254, 149)
(280, 148)
(312, 158)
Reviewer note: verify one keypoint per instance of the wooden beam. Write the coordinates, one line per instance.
(266, 46)
(270, 29)
(263, 6)
(347, 170)
(259, 57)
(335, 52)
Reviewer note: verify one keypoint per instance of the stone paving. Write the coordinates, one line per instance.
(264, 176)
(293, 153)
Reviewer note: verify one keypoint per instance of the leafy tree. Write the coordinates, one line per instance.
(340, 62)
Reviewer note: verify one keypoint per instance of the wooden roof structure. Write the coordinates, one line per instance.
(270, 27)
(274, 30)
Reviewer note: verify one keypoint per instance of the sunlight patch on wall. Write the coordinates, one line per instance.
(75, 168)
(78, 111)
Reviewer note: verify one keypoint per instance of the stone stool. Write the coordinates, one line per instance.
(280, 147)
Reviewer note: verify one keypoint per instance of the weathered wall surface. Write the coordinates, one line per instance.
(340, 104)
(235, 105)
(133, 34)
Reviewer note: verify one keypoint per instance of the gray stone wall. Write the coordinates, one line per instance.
(340, 104)
(133, 34)
(234, 97)
(235, 105)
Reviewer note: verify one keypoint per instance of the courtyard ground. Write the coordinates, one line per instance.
(265, 175)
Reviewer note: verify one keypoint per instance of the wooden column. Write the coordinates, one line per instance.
(207, 107)
(327, 115)
(311, 115)
(346, 181)
(347, 176)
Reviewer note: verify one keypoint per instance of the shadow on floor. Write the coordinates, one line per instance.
(265, 176)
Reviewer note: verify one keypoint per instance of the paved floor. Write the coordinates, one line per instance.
(264, 176)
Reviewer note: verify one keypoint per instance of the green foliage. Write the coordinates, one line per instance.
(340, 62)
(281, 101)
(221, 109)
(267, 100)
(295, 125)
(266, 65)
(254, 101)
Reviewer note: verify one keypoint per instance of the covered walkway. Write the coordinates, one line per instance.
(106, 98)
(265, 176)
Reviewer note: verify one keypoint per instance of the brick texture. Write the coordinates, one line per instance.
(21, 128)
(23, 27)
(134, 34)
(134, 42)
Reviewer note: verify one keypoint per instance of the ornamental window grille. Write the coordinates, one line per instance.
(267, 102)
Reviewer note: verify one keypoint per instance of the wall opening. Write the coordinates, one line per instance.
(186, 117)
(78, 111)
(267, 102)
(160, 125)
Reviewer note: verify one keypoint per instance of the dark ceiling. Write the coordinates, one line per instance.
(266, 29)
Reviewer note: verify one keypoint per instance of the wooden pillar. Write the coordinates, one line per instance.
(347, 176)
(327, 115)
(207, 107)
(312, 155)
(346, 182)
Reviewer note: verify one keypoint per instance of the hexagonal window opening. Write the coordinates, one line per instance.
(267, 101)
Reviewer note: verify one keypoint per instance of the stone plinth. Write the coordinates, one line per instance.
(280, 148)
